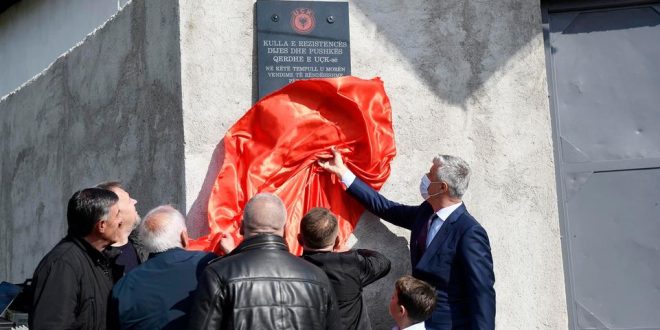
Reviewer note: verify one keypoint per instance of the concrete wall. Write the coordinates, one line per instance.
(108, 109)
(139, 101)
(217, 89)
(464, 77)
(472, 82)
(39, 31)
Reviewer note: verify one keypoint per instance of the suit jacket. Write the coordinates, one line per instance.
(458, 261)
(158, 293)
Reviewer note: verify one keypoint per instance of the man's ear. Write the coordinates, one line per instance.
(444, 186)
(101, 226)
(403, 312)
(184, 238)
(337, 246)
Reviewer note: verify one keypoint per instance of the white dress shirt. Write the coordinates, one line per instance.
(347, 178)
(437, 222)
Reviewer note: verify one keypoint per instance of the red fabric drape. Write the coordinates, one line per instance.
(274, 147)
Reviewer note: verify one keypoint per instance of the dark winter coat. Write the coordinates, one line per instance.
(71, 288)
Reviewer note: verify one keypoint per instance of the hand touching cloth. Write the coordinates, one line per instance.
(275, 146)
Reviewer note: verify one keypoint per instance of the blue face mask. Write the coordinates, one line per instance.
(424, 187)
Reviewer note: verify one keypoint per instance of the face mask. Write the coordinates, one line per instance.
(424, 187)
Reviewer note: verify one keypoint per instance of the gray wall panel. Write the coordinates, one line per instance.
(108, 109)
(605, 76)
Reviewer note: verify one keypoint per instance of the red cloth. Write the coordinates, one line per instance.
(274, 147)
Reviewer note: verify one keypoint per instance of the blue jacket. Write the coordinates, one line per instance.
(458, 262)
(158, 293)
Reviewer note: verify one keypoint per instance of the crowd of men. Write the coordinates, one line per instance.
(115, 271)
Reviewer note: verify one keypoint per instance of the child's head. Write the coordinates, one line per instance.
(318, 229)
(412, 302)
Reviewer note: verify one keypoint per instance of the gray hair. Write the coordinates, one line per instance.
(455, 172)
(86, 208)
(161, 229)
(264, 214)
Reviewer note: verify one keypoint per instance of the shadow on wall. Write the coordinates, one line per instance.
(198, 214)
(372, 234)
(458, 45)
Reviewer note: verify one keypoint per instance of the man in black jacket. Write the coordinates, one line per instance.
(260, 285)
(348, 272)
(73, 281)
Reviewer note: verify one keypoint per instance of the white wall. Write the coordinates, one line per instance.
(465, 77)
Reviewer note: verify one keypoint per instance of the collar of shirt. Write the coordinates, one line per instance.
(445, 212)
(434, 226)
(416, 326)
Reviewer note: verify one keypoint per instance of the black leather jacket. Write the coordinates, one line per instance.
(260, 285)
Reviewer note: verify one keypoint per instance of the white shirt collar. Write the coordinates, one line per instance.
(416, 326)
(445, 212)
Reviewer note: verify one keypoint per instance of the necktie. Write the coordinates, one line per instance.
(427, 235)
(434, 227)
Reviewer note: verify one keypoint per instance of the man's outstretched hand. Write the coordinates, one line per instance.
(227, 243)
(335, 164)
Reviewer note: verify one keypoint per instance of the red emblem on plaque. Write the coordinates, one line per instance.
(302, 20)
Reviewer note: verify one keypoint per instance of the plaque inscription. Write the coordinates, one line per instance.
(301, 40)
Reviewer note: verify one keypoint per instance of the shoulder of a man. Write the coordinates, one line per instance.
(467, 222)
(56, 284)
(306, 270)
(187, 254)
(172, 261)
(64, 253)
(358, 256)
(471, 233)
(308, 267)
(201, 259)
(347, 256)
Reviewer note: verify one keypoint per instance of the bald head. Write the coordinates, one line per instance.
(163, 228)
(264, 214)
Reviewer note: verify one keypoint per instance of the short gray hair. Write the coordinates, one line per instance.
(161, 229)
(455, 172)
(263, 213)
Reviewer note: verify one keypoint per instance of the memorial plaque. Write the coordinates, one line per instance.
(301, 40)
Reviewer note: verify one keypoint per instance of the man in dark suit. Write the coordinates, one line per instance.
(448, 248)
(158, 293)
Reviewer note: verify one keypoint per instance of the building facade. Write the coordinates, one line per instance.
(144, 91)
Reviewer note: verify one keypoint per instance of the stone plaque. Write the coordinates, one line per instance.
(301, 40)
